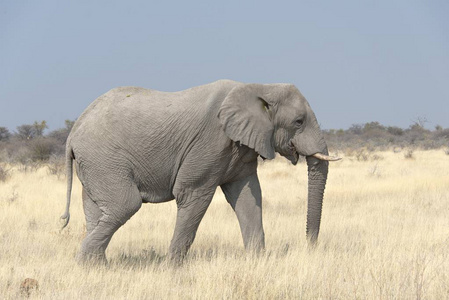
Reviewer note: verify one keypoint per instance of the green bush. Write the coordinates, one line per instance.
(41, 148)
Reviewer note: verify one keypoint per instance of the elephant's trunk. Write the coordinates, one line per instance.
(317, 170)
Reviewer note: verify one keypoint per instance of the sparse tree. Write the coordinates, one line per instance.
(356, 129)
(69, 124)
(62, 133)
(39, 128)
(442, 134)
(4, 134)
(373, 126)
(25, 131)
(395, 130)
(28, 132)
(419, 122)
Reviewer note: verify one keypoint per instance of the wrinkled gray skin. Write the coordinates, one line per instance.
(134, 146)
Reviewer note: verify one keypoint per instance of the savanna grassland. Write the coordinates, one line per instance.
(384, 235)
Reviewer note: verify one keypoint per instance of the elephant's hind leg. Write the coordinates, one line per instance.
(92, 212)
(103, 218)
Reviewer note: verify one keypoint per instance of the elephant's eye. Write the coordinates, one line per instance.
(299, 122)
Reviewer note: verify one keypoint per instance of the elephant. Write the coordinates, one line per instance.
(134, 145)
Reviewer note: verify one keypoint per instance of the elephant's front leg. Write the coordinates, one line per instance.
(245, 197)
(191, 209)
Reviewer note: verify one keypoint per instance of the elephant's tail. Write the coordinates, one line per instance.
(69, 168)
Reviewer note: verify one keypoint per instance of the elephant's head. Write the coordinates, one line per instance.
(273, 118)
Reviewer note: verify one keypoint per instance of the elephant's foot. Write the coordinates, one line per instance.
(91, 259)
(175, 261)
(176, 257)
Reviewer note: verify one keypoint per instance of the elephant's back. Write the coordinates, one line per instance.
(126, 111)
(110, 112)
(135, 119)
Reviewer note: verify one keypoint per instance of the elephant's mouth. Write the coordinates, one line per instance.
(293, 155)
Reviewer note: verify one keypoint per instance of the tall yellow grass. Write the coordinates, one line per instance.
(384, 235)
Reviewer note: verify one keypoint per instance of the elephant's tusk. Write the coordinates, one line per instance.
(326, 157)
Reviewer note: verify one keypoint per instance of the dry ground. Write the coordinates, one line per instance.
(384, 235)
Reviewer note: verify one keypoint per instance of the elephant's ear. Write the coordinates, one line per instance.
(245, 118)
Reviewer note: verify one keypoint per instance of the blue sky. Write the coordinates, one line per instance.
(355, 61)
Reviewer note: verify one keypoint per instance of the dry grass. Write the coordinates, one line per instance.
(385, 235)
